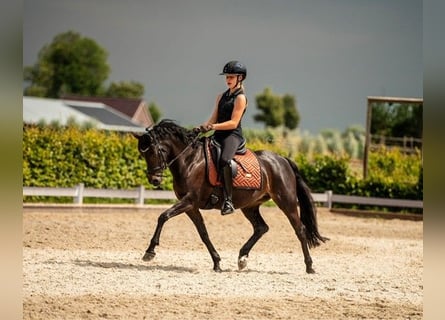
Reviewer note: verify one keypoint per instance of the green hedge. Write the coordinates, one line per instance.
(403, 180)
(66, 156)
(391, 175)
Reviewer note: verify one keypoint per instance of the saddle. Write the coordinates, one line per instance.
(246, 171)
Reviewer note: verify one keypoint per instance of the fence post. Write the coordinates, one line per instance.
(329, 198)
(140, 198)
(78, 199)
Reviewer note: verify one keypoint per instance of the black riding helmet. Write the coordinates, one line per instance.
(235, 67)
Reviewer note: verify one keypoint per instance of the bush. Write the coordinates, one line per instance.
(65, 157)
(392, 166)
(326, 173)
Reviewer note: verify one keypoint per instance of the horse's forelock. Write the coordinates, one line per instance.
(144, 141)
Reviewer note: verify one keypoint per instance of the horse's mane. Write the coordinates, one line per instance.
(167, 127)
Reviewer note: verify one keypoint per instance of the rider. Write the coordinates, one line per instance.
(226, 121)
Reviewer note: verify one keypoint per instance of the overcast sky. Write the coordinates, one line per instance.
(329, 54)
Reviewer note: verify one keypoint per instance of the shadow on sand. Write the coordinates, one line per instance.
(131, 266)
(155, 267)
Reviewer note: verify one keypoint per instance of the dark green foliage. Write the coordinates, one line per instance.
(275, 110)
(125, 89)
(391, 175)
(397, 119)
(271, 109)
(326, 173)
(71, 64)
(401, 181)
(291, 115)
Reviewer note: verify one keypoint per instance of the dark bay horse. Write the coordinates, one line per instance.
(168, 145)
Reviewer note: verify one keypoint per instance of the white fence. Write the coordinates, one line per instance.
(79, 192)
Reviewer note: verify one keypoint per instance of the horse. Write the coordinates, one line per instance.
(168, 145)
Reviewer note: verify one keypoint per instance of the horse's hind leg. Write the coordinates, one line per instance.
(301, 234)
(299, 228)
(259, 228)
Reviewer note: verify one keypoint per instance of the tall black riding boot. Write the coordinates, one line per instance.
(227, 206)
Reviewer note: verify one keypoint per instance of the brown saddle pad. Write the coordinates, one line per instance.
(248, 170)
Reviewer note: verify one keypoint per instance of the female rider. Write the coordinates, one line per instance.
(226, 121)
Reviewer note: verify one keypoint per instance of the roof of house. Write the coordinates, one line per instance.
(128, 106)
(63, 111)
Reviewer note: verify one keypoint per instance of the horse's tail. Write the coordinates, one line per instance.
(308, 211)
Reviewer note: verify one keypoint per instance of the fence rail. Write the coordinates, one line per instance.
(79, 192)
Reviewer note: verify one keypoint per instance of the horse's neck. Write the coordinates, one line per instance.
(179, 151)
(183, 157)
(175, 149)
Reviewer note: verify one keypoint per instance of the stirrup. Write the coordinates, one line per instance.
(227, 207)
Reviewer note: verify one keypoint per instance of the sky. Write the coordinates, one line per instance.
(329, 54)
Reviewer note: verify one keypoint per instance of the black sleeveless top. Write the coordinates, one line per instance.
(225, 109)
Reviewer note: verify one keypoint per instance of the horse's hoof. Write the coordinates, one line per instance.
(217, 268)
(148, 256)
(242, 262)
(310, 270)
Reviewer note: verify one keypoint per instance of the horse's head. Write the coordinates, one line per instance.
(162, 145)
(154, 155)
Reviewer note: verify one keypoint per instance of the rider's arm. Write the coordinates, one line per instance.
(237, 113)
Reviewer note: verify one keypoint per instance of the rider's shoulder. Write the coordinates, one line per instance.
(241, 97)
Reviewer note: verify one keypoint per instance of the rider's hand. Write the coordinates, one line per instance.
(206, 127)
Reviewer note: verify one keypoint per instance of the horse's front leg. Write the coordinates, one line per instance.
(196, 216)
(175, 210)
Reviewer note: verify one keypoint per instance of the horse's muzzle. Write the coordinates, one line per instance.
(155, 180)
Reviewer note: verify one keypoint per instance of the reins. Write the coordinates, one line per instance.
(195, 139)
(163, 163)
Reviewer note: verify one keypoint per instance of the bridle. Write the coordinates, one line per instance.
(160, 152)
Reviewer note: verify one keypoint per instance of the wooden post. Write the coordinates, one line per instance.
(367, 139)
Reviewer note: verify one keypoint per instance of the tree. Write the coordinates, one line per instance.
(277, 110)
(397, 120)
(71, 64)
(154, 111)
(408, 121)
(124, 89)
(291, 115)
(271, 108)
